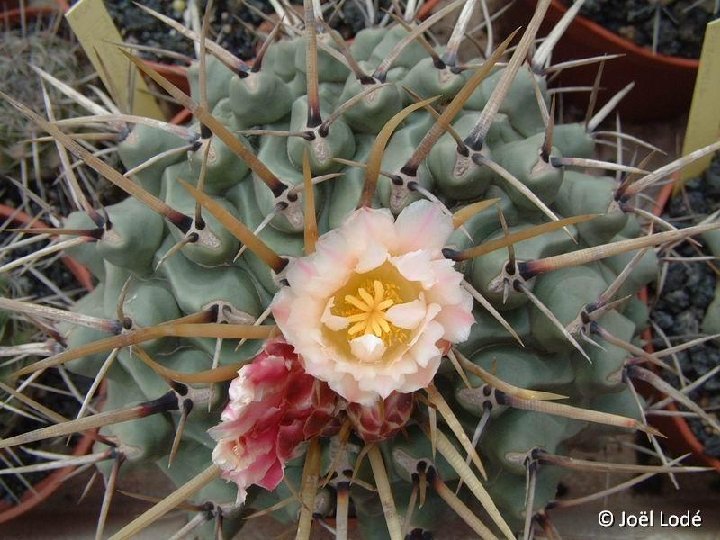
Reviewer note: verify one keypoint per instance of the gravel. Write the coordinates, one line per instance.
(682, 22)
(688, 290)
(23, 284)
(228, 29)
(12, 424)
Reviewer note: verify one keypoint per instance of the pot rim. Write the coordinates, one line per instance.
(631, 47)
(79, 272)
(426, 9)
(61, 6)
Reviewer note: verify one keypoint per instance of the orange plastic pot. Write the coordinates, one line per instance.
(680, 439)
(663, 84)
(48, 485)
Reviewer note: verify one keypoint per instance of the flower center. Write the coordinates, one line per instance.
(364, 301)
(366, 312)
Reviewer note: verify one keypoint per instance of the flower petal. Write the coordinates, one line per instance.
(368, 239)
(372, 257)
(273, 476)
(457, 321)
(423, 377)
(447, 288)
(282, 305)
(423, 225)
(368, 348)
(416, 266)
(300, 271)
(333, 322)
(424, 349)
(369, 226)
(408, 315)
(382, 385)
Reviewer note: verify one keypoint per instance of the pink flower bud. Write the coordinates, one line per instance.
(274, 406)
(383, 419)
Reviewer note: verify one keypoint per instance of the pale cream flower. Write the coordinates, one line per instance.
(371, 310)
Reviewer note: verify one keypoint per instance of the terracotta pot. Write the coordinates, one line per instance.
(48, 485)
(181, 117)
(174, 73)
(426, 9)
(680, 437)
(14, 5)
(13, 16)
(663, 84)
(81, 274)
(11, 12)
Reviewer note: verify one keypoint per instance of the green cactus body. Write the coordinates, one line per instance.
(166, 284)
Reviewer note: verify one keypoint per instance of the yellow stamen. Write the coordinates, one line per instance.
(379, 291)
(355, 301)
(363, 302)
(385, 304)
(366, 296)
(368, 311)
(375, 327)
(359, 327)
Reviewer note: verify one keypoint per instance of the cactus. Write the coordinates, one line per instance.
(38, 42)
(285, 150)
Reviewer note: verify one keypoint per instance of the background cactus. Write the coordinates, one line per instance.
(43, 41)
(545, 326)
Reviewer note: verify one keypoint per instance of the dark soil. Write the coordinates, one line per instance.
(682, 27)
(688, 291)
(228, 29)
(23, 284)
(13, 424)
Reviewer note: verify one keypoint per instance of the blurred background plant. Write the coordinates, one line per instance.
(45, 41)
(34, 34)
